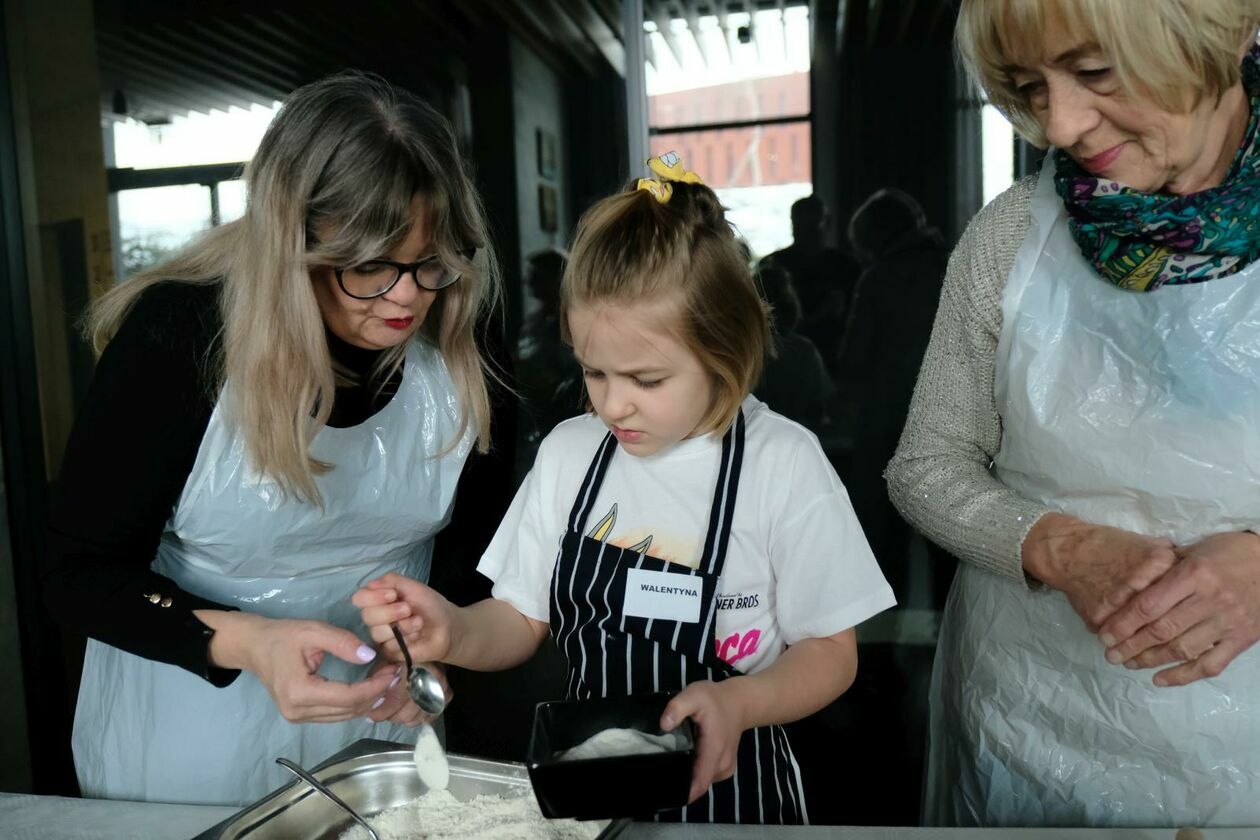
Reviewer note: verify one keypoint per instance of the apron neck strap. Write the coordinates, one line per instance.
(591, 484)
(719, 536)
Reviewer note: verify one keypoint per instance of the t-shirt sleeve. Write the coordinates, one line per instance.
(826, 578)
(522, 554)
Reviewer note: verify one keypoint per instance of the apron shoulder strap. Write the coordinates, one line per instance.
(719, 535)
(591, 483)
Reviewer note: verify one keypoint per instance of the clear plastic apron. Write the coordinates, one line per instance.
(1140, 411)
(148, 731)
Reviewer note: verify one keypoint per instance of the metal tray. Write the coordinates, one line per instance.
(371, 776)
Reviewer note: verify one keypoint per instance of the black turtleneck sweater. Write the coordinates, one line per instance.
(128, 458)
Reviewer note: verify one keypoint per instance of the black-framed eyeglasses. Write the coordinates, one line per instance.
(374, 278)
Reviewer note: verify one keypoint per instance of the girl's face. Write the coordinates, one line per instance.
(388, 320)
(645, 384)
(1074, 93)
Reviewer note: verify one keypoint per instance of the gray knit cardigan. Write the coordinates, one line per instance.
(941, 478)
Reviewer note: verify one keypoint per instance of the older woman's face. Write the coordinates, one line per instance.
(388, 320)
(1076, 97)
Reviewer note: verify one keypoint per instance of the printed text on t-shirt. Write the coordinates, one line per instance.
(738, 601)
(736, 646)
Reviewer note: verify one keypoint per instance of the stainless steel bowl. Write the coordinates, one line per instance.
(369, 783)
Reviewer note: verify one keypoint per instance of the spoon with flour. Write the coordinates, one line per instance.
(427, 693)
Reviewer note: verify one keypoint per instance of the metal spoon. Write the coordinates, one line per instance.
(422, 684)
(334, 798)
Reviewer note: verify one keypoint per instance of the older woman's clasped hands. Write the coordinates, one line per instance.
(1201, 613)
(1153, 603)
(1097, 567)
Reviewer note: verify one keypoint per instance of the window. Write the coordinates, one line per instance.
(755, 91)
(997, 149)
(201, 156)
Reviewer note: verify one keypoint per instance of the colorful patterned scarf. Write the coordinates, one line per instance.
(1142, 241)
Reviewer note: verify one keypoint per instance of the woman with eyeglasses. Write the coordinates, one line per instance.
(279, 414)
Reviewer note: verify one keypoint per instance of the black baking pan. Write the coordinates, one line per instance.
(607, 788)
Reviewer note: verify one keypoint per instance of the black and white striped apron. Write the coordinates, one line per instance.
(610, 653)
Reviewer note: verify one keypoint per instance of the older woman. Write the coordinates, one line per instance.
(279, 414)
(1085, 432)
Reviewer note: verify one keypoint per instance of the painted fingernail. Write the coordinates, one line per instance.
(365, 653)
(395, 680)
(1108, 640)
(380, 701)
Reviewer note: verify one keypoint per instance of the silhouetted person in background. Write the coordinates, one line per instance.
(542, 327)
(795, 382)
(823, 276)
(890, 320)
(545, 369)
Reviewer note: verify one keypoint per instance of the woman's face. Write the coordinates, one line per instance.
(388, 320)
(1075, 95)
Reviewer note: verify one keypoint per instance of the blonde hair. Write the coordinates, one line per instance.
(629, 248)
(1169, 51)
(332, 184)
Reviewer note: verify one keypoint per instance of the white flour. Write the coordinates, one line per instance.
(612, 742)
(431, 764)
(438, 815)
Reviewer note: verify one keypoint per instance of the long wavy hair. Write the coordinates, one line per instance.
(332, 184)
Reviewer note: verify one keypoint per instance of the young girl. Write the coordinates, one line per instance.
(681, 536)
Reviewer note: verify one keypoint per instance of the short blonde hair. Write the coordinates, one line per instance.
(629, 249)
(1169, 51)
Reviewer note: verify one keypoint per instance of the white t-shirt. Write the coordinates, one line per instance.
(798, 565)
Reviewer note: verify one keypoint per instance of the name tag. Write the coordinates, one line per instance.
(662, 595)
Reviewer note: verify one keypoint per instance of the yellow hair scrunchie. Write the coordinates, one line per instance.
(668, 167)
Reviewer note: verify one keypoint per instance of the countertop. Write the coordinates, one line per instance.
(24, 817)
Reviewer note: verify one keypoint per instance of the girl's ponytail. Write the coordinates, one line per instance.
(666, 241)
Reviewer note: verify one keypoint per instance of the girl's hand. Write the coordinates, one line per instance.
(1098, 568)
(1201, 614)
(285, 656)
(423, 616)
(397, 705)
(718, 715)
